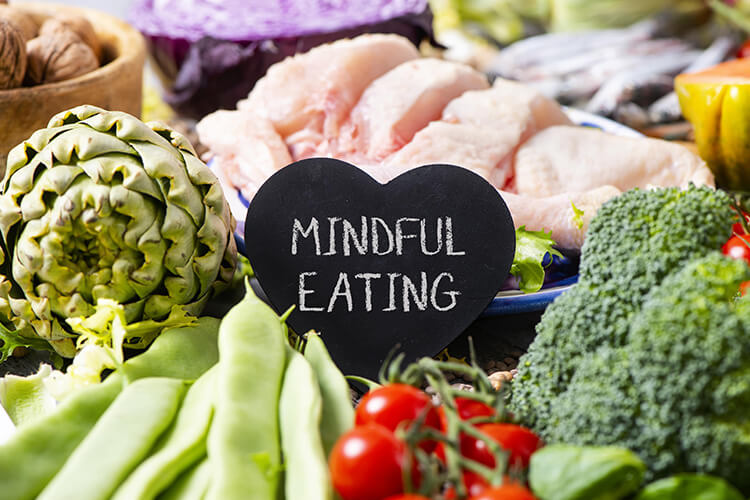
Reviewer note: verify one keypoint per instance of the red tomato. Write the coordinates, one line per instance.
(407, 496)
(393, 404)
(744, 50)
(474, 483)
(519, 441)
(466, 409)
(366, 464)
(737, 248)
(510, 491)
(449, 493)
(737, 226)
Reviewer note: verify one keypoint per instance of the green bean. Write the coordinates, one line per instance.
(305, 467)
(183, 445)
(192, 484)
(243, 443)
(186, 353)
(338, 412)
(37, 451)
(26, 398)
(120, 439)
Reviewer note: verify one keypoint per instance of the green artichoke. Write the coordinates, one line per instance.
(100, 205)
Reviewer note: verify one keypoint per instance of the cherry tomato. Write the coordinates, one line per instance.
(737, 226)
(744, 50)
(510, 491)
(474, 483)
(744, 287)
(366, 463)
(466, 408)
(519, 441)
(449, 493)
(393, 404)
(407, 496)
(737, 248)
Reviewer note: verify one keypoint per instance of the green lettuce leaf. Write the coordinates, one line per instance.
(531, 247)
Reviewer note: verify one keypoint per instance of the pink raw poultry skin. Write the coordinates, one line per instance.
(307, 97)
(372, 102)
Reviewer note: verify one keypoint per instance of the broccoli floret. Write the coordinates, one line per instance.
(641, 236)
(579, 321)
(633, 242)
(678, 392)
(691, 347)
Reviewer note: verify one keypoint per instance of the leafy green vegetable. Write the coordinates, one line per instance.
(10, 340)
(567, 472)
(577, 216)
(690, 486)
(531, 248)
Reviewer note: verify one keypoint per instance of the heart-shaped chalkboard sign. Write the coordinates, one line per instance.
(369, 265)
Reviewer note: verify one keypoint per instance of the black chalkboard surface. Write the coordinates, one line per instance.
(412, 262)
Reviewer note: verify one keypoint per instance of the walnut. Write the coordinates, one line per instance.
(58, 54)
(80, 25)
(12, 56)
(21, 20)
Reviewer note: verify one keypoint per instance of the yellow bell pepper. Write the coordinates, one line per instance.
(717, 102)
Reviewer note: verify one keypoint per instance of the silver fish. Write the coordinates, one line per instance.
(667, 109)
(586, 84)
(552, 47)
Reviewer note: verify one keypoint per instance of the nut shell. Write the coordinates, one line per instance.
(80, 25)
(12, 56)
(58, 54)
(23, 22)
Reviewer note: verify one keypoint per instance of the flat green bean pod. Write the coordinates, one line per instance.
(37, 451)
(192, 484)
(31, 458)
(338, 412)
(119, 441)
(305, 466)
(186, 353)
(243, 443)
(182, 446)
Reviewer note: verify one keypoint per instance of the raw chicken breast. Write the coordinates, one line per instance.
(400, 103)
(564, 159)
(506, 104)
(486, 151)
(481, 130)
(552, 213)
(555, 213)
(245, 163)
(311, 94)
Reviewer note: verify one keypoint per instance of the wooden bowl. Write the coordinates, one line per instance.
(115, 85)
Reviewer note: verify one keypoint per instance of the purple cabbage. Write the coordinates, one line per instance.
(211, 53)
